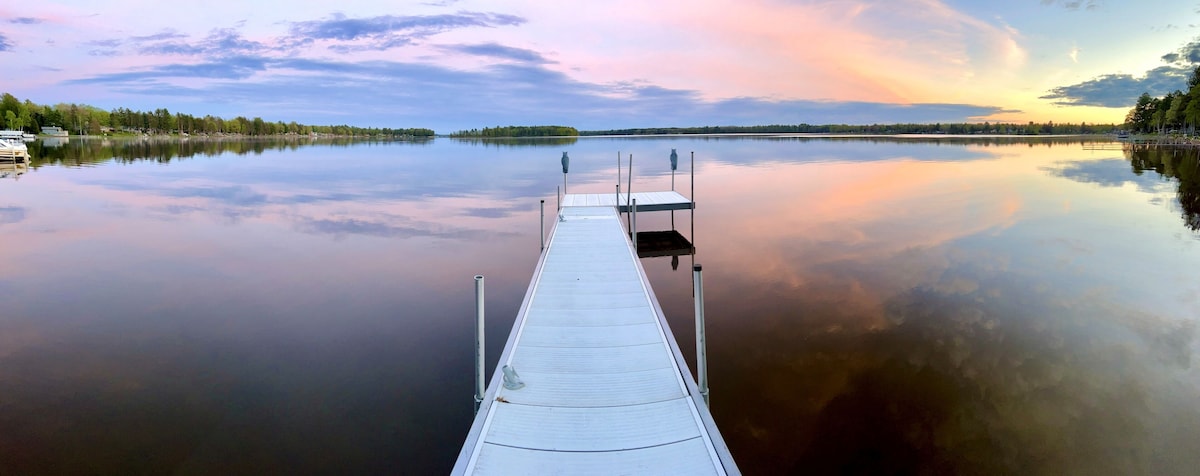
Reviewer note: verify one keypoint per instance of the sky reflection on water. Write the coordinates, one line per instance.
(873, 305)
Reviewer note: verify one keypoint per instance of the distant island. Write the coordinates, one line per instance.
(517, 131)
(90, 120)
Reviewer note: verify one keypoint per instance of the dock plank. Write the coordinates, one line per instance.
(579, 429)
(673, 459)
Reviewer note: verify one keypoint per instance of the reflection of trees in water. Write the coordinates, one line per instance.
(79, 152)
(1182, 164)
(517, 141)
(982, 372)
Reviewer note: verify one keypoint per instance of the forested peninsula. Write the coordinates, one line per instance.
(83, 119)
(1174, 113)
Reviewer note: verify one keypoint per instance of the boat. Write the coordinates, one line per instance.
(13, 150)
(54, 131)
(10, 134)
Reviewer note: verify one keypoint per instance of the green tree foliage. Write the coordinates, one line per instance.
(938, 128)
(519, 131)
(1176, 112)
(84, 119)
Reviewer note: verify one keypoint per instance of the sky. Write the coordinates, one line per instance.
(450, 65)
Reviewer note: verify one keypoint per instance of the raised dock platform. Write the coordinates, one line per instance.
(646, 201)
(606, 390)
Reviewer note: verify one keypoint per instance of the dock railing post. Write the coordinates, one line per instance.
(629, 179)
(674, 165)
(629, 184)
(558, 198)
(633, 223)
(479, 382)
(543, 225)
(618, 202)
(701, 357)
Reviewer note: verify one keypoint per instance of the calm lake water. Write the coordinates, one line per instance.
(931, 305)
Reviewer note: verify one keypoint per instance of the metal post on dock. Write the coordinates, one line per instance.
(674, 165)
(693, 199)
(618, 177)
(478, 341)
(566, 161)
(629, 183)
(701, 357)
(618, 202)
(633, 223)
(543, 225)
(558, 198)
(629, 179)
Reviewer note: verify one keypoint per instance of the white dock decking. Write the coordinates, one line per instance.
(606, 388)
(646, 201)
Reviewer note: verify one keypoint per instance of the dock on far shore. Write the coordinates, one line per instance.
(591, 380)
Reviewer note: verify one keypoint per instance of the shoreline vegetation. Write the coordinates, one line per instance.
(85, 120)
(1172, 119)
(984, 128)
(1176, 114)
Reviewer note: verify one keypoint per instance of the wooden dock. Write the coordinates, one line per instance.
(605, 388)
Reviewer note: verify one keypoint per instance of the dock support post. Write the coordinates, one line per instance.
(543, 225)
(618, 202)
(629, 184)
(633, 223)
(701, 355)
(479, 382)
(558, 198)
(693, 199)
(629, 187)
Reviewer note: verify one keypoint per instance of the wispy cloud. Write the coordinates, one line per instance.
(219, 42)
(1075, 4)
(1186, 54)
(498, 51)
(390, 31)
(233, 68)
(167, 34)
(5, 44)
(26, 21)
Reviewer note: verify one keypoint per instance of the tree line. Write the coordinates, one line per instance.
(1176, 112)
(1031, 128)
(518, 131)
(84, 119)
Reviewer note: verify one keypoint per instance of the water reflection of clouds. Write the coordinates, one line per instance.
(388, 227)
(11, 214)
(954, 313)
(1108, 173)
